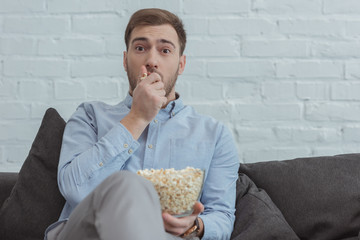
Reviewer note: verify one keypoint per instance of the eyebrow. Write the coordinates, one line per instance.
(147, 40)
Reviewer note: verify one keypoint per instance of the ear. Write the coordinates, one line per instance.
(125, 61)
(182, 64)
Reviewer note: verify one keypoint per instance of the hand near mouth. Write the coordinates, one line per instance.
(148, 98)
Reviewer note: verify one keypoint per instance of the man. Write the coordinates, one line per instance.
(104, 145)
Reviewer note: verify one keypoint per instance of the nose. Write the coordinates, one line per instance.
(152, 60)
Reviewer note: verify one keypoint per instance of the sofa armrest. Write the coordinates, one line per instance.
(7, 182)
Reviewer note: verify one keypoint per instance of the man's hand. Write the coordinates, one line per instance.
(148, 99)
(148, 96)
(178, 226)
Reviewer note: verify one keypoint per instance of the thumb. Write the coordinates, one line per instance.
(198, 208)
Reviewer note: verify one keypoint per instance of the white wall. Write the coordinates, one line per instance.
(282, 74)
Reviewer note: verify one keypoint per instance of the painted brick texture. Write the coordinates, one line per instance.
(283, 75)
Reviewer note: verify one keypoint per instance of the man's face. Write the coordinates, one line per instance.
(157, 48)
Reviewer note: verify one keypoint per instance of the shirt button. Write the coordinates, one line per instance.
(101, 164)
(126, 145)
(155, 121)
(150, 146)
(130, 151)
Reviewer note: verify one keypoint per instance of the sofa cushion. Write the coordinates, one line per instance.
(35, 201)
(257, 217)
(319, 196)
(7, 182)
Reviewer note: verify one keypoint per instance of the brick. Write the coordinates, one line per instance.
(99, 24)
(183, 87)
(287, 7)
(312, 27)
(275, 153)
(207, 6)
(236, 68)
(218, 110)
(306, 134)
(8, 89)
(172, 6)
(19, 6)
(69, 90)
(18, 131)
(35, 68)
(312, 91)
(330, 111)
(35, 90)
(327, 150)
(194, 67)
(242, 90)
(352, 70)
(92, 6)
(200, 28)
(352, 28)
(309, 69)
(14, 110)
(241, 26)
(2, 158)
(278, 91)
(38, 109)
(253, 135)
(336, 49)
(345, 91)
(341, 7)
(275, 48)
(213, 90)
(93, 68)
(213, 47)
(1, 24)
(17, 153)
(67, 109)
(351, 134)
(115, 45)
(72, 46)
(102, 89)
(269, 112)
(37, 25)
(18, 46)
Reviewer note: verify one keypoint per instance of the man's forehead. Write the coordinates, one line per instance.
(161, 33)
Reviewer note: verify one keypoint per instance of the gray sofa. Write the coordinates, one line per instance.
(306, 198)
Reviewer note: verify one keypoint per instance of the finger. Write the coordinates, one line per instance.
(198, 208)
(143, 73)
(158, 85)
(164, 101)
(174, 222)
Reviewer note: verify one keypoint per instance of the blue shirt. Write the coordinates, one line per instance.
(95, 145)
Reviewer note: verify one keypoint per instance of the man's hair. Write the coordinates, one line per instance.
(156, 17)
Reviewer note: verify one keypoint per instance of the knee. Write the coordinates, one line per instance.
(128, 180)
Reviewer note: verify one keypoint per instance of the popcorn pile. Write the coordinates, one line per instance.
(178, 190)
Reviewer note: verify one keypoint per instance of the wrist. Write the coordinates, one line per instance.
(134, 125)
(197, 230)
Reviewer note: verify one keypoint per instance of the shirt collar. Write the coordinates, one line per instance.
(173, 108)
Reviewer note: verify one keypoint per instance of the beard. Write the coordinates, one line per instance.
(168, 85)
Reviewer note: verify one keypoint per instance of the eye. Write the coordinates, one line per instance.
(139, 48)
(166, 51)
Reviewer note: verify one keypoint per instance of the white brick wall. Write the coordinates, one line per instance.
(282, 74)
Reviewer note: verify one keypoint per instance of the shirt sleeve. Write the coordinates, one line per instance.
(219, 193)
(85, 159)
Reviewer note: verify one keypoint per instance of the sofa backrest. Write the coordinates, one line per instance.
(318, 196)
